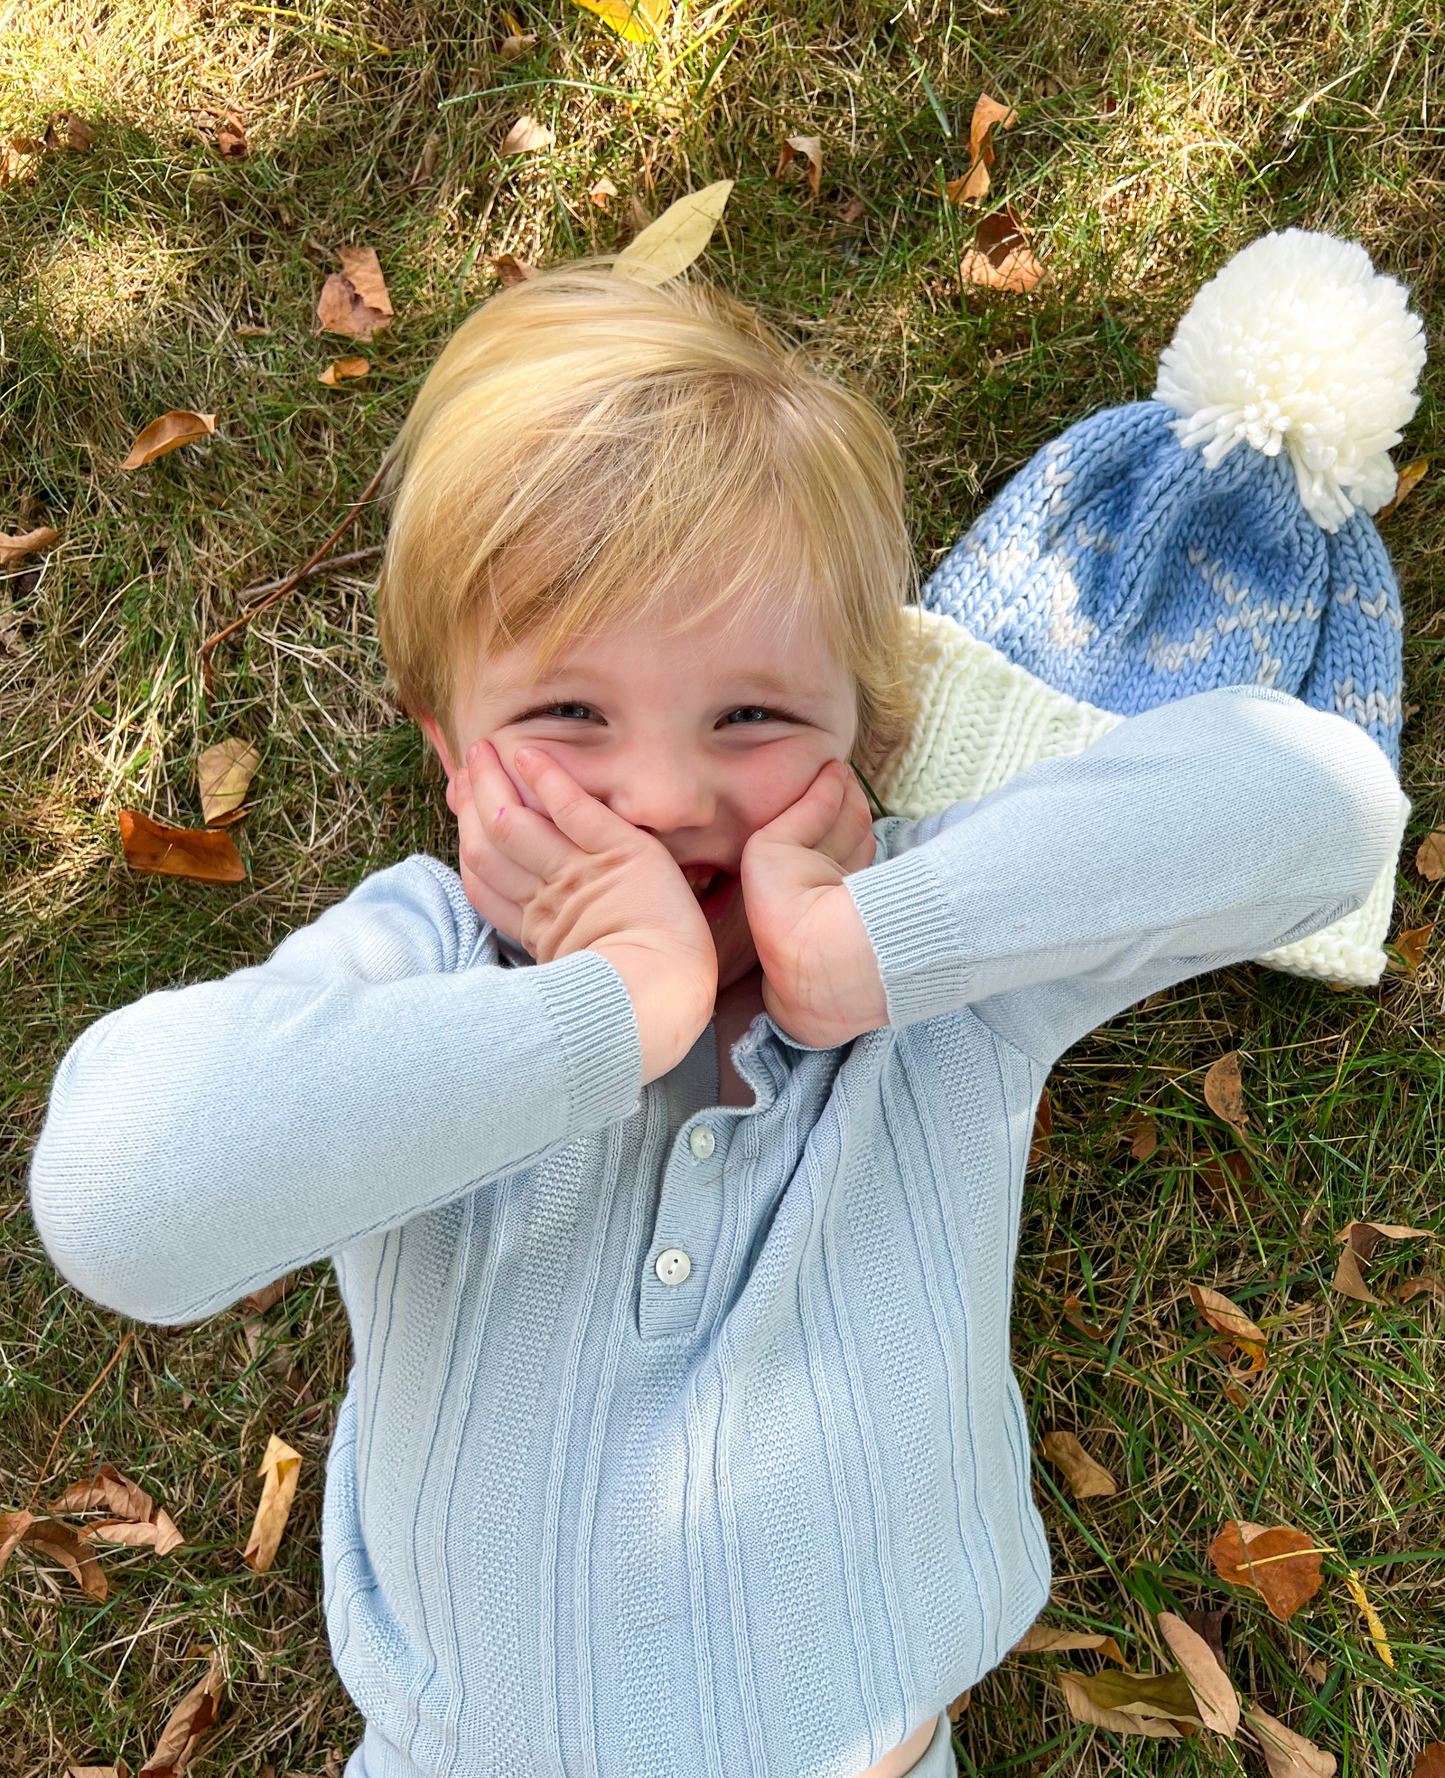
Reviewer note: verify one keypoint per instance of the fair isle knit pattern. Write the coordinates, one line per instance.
(763, 1522)
(1120, 568)
(981, 719)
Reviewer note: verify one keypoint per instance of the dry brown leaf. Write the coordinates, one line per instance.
(225, 772)
(1224, 1091)
(1430, 858)
(1287, 1754)
(601, 191)
(853, 211)
(1073, 1314)
(1363, 1236)
(355, 300)
(190, 1722)
(13, 1527)
(1281, 1564)
(1411, 945)
(341, 368)
(27, 543)
(673, 242)
(1001, 258)
(971, 188)
(71, 1549)
(280, 1471)
(1042, 1640)
(1080, 1690)
(1210, 1625)
(250, 330)
(168, 433)
(1430, 1761)
(231, 141)
(1087, 1479)
(1218, 1706)
(1043, 1129)
(115, 1771)
(425, 169)
(159, 1533)
(958, 1706)
(204, 854)
(812, 147)
(526, 136)
(1407, 477)
(1143, 1134)
(1374, 1623)
(269, 1295)
(1349, 1280)
(1229, 1319)
(74, 131)
(511, 270)
(1430, 1282)
(109, 1491)
(517, 44)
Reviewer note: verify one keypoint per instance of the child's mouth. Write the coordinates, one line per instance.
(713, 887)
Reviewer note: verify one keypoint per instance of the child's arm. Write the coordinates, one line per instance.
(1203, 832)
(207, 1139)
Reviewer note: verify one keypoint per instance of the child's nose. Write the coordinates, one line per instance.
(663, 792)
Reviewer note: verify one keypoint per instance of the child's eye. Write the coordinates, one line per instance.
(751, 713)
(565, 712)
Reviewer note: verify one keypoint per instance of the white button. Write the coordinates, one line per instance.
(673, 1266)
(702, 1142)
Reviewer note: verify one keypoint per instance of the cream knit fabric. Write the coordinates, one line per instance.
(981, 719)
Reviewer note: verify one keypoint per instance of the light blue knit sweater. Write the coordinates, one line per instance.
(765, 1522)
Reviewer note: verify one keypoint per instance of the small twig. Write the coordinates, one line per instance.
(327, 567)
(285, 586)
(113, 1361)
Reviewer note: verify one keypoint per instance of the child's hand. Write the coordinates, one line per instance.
(821, 984)
(581, 878)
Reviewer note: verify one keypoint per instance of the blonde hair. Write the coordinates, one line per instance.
(585, 441)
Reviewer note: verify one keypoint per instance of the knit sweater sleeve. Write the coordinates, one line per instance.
(1203, 832)
(206, 1139)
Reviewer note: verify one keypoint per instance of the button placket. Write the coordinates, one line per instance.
(685, 1233)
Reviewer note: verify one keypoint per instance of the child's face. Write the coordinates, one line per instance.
(701, 737)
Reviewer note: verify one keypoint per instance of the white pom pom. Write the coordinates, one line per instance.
(1299, 345)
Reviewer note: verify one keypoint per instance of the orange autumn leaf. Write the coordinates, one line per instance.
(355, 300)
(166, 434)
(280, 1471)
(204, 855)
(1279, 1563)
(1412, 944)
(1043, 1129)
(1430, 1761)
(190, 1722)
(1001, 258)
(1229, 1319)
(342, 368)
(27, 543)
(974, 184)
(1143, 1134)
(1224, 1091)
(1086, 1478)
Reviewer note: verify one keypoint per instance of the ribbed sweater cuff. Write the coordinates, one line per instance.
(909, 917)
(592, 1015)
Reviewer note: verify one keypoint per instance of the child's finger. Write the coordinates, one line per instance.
(814, 814)
(528, 839)
(505, 876)
(850, 842)
(585, 821)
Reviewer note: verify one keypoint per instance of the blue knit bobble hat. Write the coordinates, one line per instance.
(1217, 534)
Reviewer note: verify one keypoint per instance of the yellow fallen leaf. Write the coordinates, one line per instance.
(1087, 1479)
(1040, 1639)
(225, 772)
(190, 1722)
(280, 1471)
(812, 147)
(1287, 1754)
(341, 368)
(168, 433)
(673, 242)
(526, 136)
(1407, 477)
(1218, 1706)
(27, 543)
(1373, 1621)
(636, 21)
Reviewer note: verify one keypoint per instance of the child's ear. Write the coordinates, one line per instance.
(431, 728)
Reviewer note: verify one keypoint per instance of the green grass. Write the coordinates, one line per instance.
(1153, 140)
